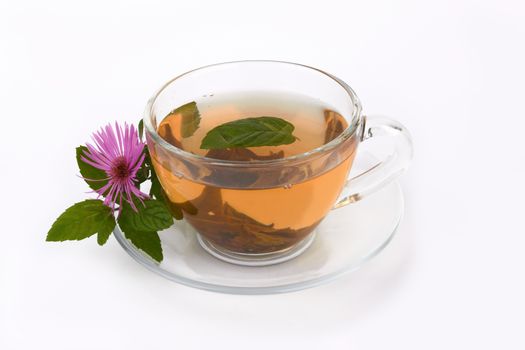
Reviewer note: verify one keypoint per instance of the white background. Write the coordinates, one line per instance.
(451, 71)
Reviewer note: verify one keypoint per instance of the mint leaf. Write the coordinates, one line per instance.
(141, 227)
(151, 216)
(105, 231)
(141, 128)
(174, 208)
(144, 170)
(89, 172)
(250, 132)
(142, 174)
(157, 191)
(147, 241)
(156, 188)
(191, 118)
(82, 220)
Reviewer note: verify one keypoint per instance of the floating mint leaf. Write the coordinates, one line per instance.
(150, 216)
(94, 177)
(250, 132)
(82, 220)
(191, 118)
(147, 241)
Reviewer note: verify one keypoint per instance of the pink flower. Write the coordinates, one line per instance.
(118, 152)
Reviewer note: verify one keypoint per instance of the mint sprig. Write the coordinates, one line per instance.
(139, 225)
(250, 132)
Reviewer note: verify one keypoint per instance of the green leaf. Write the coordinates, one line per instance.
(141, 227)
(147, 241)
(191, 118)
(151, 216)
(143, 172)
(156, 188)
(141, 128)
(82, 220)
(89, 172)
(105, 231)
(174, 208)
(250, 132)
(157, 191)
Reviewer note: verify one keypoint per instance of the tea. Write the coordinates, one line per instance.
(256, 212)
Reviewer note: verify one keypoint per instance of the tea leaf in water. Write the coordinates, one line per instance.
(191, 118)
(242, 154)
(250, 132)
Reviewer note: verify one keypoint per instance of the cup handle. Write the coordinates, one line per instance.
(386, 170)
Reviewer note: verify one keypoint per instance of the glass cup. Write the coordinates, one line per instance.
(263, 212)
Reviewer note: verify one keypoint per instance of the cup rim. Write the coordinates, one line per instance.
(347, 133)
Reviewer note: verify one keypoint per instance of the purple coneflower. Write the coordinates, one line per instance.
(118, 152)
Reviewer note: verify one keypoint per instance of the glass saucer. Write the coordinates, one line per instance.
(344, 241)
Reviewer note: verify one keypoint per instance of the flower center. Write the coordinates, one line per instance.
(120, 168)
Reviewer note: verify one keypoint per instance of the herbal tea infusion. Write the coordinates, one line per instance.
(254, 212)
(251, 154)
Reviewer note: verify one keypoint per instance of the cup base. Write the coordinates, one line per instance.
(263, 259)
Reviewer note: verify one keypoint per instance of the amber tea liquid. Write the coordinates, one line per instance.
(254, 214)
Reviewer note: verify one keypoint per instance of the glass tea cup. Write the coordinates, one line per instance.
(262, 212)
